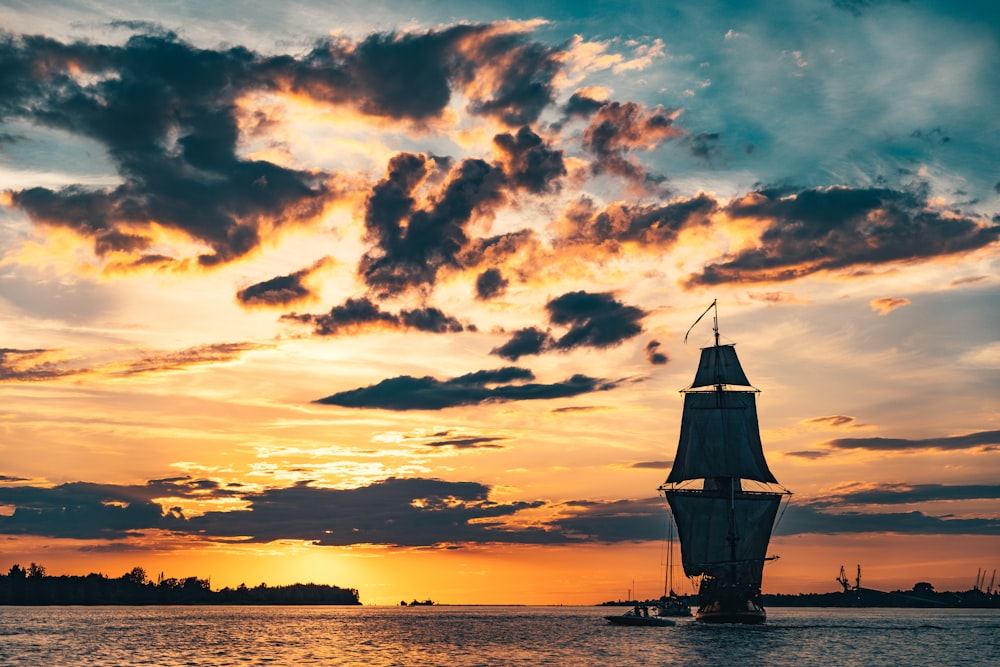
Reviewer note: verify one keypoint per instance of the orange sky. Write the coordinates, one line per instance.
(404, 311)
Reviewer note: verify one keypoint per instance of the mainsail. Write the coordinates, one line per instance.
(724, 529)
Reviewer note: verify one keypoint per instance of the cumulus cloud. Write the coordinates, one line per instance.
(616, 129)
(490, 386)
(654, 225)
(167, 113)
(412, 243)
(528, 162)
(490, 283)
(834, 228)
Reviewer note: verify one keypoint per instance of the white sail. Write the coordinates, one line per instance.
(720, 438)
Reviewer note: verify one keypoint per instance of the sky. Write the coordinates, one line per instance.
(393, 295)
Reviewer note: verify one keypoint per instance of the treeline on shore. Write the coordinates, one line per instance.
(918, 598)
(32, 586)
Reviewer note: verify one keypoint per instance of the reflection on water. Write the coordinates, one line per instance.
(576, 636)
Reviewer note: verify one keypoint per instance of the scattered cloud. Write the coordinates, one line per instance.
(988, 440)
(653, 354)
(38, 365)
(835, 228)
(906, 494)
(616, 129)
(490, 284)
(594, 320)
(835, 421)
(886, 304)
(281, 291)
(493, 386)
(356, 315)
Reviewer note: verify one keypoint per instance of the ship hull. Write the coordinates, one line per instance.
(730, 605)
(749, 616)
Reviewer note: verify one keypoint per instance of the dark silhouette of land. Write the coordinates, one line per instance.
(32, 586)
(922, 596)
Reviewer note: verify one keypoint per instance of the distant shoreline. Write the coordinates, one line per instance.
(32, 587)
(867, 598)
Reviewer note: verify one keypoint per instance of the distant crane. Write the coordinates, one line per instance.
(842, 580)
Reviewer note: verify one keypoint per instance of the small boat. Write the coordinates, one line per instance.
(640, 616)
(671, 606)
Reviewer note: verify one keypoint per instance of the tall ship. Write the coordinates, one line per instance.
(722, 495)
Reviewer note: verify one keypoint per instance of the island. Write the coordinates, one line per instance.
(32, 586)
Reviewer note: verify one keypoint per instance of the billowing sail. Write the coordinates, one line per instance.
(720, 365)
(703, 526)
(720, 438)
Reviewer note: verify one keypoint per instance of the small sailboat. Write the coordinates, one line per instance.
(724, 527)
(670, 604)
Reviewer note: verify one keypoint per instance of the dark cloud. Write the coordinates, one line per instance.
(989, 440)
(355, 315)
(490, 283)
(617, 129)
(905, 494)
(492, 251)
(615, 521)
(593, 320)
(580, 104)
(411, 75)
(653, 354)
(167, 113)
(413, 243)
(84, 510)
(808, 519)
(705, 145)
(657, 226)
(422, 512)
(524, 342)
(493, 386)
(280, 291)
(468, 442)
(508, 77)
(528, 162)
(837, 228)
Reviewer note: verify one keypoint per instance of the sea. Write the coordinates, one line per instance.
(452, 636)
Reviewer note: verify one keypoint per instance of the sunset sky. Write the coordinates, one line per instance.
(393, 295)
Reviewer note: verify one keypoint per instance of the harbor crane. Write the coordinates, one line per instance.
(842, 580)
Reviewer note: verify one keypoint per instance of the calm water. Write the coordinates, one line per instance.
(572, 636)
